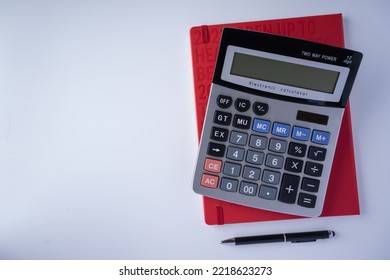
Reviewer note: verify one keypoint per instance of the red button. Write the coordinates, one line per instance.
(213, 165)
(209, 181)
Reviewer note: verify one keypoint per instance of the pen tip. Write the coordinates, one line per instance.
(332, 233)
(227, 241)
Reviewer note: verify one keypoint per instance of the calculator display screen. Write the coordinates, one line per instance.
(291, 76)
(283, 72)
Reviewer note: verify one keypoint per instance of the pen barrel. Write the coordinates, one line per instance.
(260, 239)
(308, 236)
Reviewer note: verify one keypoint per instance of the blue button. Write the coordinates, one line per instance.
(320, 137)
(262, 126)
(281, 129)
(300, 133)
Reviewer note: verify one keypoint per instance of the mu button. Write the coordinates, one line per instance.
(243, 122)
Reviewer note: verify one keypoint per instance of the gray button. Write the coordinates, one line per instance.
(267, 192)
(238, 138)
(274, 161)
(232, 169)
(235, 153)
(254, 157)
(278, 146)
(229, 185)
(248, 188)
(258, 142)
(271, 177)
(251, 173)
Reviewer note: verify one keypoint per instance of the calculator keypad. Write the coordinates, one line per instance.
(251, 155)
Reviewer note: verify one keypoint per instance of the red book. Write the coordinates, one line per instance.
(342, 194)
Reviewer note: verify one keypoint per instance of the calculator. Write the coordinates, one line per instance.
(272, 121)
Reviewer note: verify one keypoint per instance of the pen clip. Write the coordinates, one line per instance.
(304, 241)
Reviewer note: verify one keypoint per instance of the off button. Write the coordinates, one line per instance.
(224, 101)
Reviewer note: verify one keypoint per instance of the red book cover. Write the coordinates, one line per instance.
(342, 194)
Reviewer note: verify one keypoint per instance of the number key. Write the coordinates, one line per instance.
(271, 177)
(274, 161)
(232, 169)
(229, 185)
(248, 188)
(238, 138)
(278, 146)
(255, 157)
(258, 142)
(235, 153)
(251, 173)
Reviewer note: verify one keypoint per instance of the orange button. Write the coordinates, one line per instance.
(209, 181)
(212, 165)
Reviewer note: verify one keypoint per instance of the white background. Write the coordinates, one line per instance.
(98, 132)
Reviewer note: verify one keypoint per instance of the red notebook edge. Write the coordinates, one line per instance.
(343, 183)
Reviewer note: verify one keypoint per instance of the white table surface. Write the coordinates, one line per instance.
(98, 133)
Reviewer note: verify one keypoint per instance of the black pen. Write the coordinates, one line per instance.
(281, 237)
